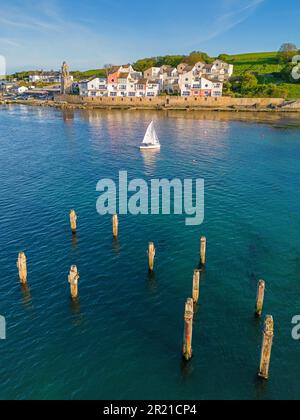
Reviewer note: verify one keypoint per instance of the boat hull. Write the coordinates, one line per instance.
(154, 147)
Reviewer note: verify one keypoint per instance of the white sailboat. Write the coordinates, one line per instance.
(151, 141)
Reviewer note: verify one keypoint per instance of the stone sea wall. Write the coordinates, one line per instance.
(173, 102)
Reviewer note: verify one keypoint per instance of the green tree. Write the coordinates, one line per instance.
(224, 57)
(145, 64)
(170, 60)
(197, 56)
(286, 73)
(249, 84)
(286, 52)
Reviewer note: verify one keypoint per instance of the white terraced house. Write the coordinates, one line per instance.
(96, 86)
(199, 86)
(201, 80)
(153, 88)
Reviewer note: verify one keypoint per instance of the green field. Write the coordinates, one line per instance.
(265, 65)
(261, 63)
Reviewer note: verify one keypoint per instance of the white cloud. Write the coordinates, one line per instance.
(233, 13)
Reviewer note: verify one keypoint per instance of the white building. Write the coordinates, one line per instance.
(93, 87)
(152, 73)
(45, 77)
(153, 88)
(197, 86)
(21, 89)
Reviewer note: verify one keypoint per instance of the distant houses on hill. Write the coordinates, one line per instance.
(45, 77)
(199, 80)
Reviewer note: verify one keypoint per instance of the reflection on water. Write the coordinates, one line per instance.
(74, 241)
(116, 246)
(187, 370)
(150, 157)
(151, 279)
(26, 296)
(68, 116)
(77, 316)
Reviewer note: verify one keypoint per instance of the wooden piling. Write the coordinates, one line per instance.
(260, 298)
(73, 280)
(203, 250)
(151, 255)
(188, 329)
(115, 222)
(22, 267)
(73, 221)
(196, 286)
(267, 344)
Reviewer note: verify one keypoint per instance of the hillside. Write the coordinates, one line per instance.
(261, 63)
(267, 69)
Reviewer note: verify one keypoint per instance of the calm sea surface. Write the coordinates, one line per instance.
(123, 339)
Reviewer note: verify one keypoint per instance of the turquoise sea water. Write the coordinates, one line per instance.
(123, 339)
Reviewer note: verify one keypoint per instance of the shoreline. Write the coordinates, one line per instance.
(126, 107)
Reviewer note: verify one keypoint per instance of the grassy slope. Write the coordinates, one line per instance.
(265, 65)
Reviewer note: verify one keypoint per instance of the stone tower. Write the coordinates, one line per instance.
(66, 79)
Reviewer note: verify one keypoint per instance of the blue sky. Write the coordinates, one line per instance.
(90, 33)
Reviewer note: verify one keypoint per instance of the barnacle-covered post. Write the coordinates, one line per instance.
(73, 280)
(73, 221)
(115, 222)
(151, 255)
(260, 298)
(268, 336)
(22, 267)
(203, 250)
(188, 329)
(196, 286)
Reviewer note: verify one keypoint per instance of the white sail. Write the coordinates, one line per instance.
(151, 136)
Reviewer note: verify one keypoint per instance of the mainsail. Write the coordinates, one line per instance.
(151, 136)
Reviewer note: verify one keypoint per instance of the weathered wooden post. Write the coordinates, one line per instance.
(73, 280)
(196, 285)
(188, 329)
(203, 250)
(73, 221)
(260, 298)
(151, 255)
(115, 222)
(22, 267)
(267, 344)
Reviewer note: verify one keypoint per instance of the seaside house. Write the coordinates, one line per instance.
(45, 77)
(122, 84)
(141, 87)
(185, 83)
(6, 86)
(184, 68)
(123, 81)
(152, 73)
(93, 87)
(153, 88)
(218, 70)
(194, 85)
